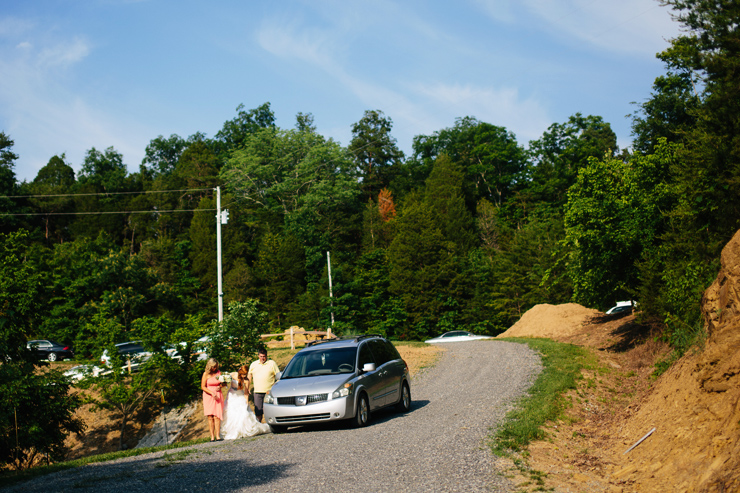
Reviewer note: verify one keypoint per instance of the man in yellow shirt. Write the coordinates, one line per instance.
(263, 372)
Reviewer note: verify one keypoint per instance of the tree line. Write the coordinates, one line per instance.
(467, 232)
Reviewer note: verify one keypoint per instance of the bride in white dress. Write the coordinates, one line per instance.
(239, 419)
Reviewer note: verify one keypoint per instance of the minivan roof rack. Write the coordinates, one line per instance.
(335, 339)
(366, 336)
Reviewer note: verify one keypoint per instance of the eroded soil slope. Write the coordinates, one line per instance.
(693, 410)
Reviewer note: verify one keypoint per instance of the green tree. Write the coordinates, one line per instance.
(237, 339)
(8, 184)
(612, 217)
(162, 155)
(127, 393)
(198, 167)
(56, 178)
(305, 179)
(279, 270)
(444, 196)
(375, 152)
(34, 418)
(490, 157)
(236, 132)
(562, 151)
(670, 112)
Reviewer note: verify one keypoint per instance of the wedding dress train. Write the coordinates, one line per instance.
(239, 420)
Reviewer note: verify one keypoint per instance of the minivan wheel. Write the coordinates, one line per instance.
(362, 417)
(404, 405)
(52, 356)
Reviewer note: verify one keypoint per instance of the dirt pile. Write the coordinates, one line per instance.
(551, 321)
(693, 408)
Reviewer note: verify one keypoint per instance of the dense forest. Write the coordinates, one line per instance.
(468, 232)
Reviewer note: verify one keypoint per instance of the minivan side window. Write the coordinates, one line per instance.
(366, 356)
(383, 354)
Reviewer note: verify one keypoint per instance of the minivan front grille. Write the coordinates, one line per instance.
(310, 399)
(305, 417)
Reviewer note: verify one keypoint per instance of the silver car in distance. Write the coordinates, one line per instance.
(457, 336)
(339, 380)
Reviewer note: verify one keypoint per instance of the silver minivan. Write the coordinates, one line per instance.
(337, 380)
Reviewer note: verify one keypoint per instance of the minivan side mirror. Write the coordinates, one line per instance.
(368, 367)
(278, 375)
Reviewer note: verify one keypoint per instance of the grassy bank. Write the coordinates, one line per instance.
(544, 402)
(562, 364)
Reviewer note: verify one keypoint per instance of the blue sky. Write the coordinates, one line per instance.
(79, 74)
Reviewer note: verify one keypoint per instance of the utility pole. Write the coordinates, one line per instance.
(221, 218)
(331, 296)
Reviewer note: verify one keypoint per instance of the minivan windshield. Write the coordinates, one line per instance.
(329, 361)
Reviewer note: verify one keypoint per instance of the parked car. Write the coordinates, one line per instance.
(50, 350)
(77, 373)
(133, 352)
(339, 380)
(621, 307)
(457, 336)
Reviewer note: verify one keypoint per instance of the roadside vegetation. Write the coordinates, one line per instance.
(545, 401)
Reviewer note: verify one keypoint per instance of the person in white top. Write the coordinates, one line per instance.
(263, 373)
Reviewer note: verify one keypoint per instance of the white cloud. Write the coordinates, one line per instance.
(627, 26)
(499, 10)
(289, 41)
(64, 53)
(503, 107)
(13, 26)
(44, 116)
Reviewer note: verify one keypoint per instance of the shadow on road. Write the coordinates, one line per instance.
(173, 471)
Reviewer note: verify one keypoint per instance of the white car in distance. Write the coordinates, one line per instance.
(457, 336)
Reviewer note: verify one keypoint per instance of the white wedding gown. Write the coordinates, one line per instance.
(239, 419)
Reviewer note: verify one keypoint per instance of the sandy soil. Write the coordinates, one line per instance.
(690, 415)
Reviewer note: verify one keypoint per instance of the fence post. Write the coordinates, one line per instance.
(292, 342)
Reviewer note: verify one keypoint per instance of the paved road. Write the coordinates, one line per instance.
(438, 446)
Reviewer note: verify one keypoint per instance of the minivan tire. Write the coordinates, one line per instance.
(362, 416)
(404, 405)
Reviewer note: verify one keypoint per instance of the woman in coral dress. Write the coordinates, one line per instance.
(213, 399)
(240, 420)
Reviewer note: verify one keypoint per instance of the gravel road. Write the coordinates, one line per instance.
(438, 446)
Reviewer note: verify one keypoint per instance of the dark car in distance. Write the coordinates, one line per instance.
(51, 350)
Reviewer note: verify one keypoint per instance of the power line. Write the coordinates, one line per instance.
(154, 211)
(102, 213)
(102, 193)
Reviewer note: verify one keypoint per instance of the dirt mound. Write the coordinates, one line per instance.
(551, 321)
(692, 410)
(695, 406)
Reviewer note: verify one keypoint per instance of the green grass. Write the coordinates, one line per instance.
(8, 478)
(410, 343)
(562, 364)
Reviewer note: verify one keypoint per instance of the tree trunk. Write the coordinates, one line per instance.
(123, 429)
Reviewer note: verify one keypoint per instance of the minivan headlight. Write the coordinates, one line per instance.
(269, 399)
(342, 391)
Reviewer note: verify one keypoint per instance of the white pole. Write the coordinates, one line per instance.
(218, 255)
(331, 296)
